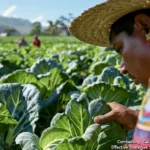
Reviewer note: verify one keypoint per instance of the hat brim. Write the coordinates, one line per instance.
(93, 26)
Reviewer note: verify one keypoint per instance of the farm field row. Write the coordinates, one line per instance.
(50, 95)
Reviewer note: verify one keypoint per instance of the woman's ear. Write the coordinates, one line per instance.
(142, 22)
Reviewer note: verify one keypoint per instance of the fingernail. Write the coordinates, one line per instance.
(97, 119)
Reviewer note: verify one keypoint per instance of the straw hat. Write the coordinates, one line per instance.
(93, 26)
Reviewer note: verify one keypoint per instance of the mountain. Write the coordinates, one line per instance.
(22, 25)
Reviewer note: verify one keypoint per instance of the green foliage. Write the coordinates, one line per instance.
(11, 31)
(77, 120)
(50, 95)
(36, 28)
(21, 105)
(29, 139)
(59, 27)
(5, 119)
(74, 129)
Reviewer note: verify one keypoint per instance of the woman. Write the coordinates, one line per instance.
(124, 25)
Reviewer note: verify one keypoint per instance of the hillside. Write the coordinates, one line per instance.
(22, 25)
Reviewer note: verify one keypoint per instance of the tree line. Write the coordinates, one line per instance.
(55, 28)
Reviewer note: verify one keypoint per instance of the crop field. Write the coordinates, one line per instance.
(50, 95)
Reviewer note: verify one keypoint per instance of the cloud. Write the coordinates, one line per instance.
(38, 19)
(45, 24)
(41, 20)
(8, 12)
(15, 16)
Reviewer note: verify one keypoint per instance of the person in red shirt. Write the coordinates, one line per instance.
(36, 41)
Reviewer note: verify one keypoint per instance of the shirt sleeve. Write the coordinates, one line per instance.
(142, 130)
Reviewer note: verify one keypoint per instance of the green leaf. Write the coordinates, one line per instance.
(76, 143)
(28, 141)
(4, 70)
(98, 67)
(3, 128)
(109, 135)
(59, 97)
(89, 80)
(19, 76)
(52, 136)
(22, 102)
(110, 74)
(77, 140)
(88, 141)
(65, 146)
(23, 77)
(46, 83)
(5, 119)
(52, 81)
(72, 66)
(44, 65)
(107, 92)
(90, 136)
(92, 132)
(98, 107)
(112, 59)
(5, 116)
(119, 81)
(78, 116)
(60, 120)
(108, 144)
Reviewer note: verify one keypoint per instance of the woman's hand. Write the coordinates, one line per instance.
(121, 114)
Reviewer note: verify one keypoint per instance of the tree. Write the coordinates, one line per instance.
(53, 28)
(59, 27)
(11, 31)
(64, 22)
(36, 28)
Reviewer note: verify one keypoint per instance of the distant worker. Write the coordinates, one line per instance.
(22, 42)
(36, 41)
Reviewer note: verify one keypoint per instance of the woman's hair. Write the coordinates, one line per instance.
(126, 23)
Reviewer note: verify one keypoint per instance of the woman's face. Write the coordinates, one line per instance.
(135, 52)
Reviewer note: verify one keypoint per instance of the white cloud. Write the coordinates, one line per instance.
(45, 24)
(41, 20)
(38, 19)
(8, 12)
(15, 16)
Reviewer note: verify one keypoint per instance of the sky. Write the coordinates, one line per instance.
(44, 10)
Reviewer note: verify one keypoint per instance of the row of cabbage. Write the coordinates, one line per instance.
(52, 103)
